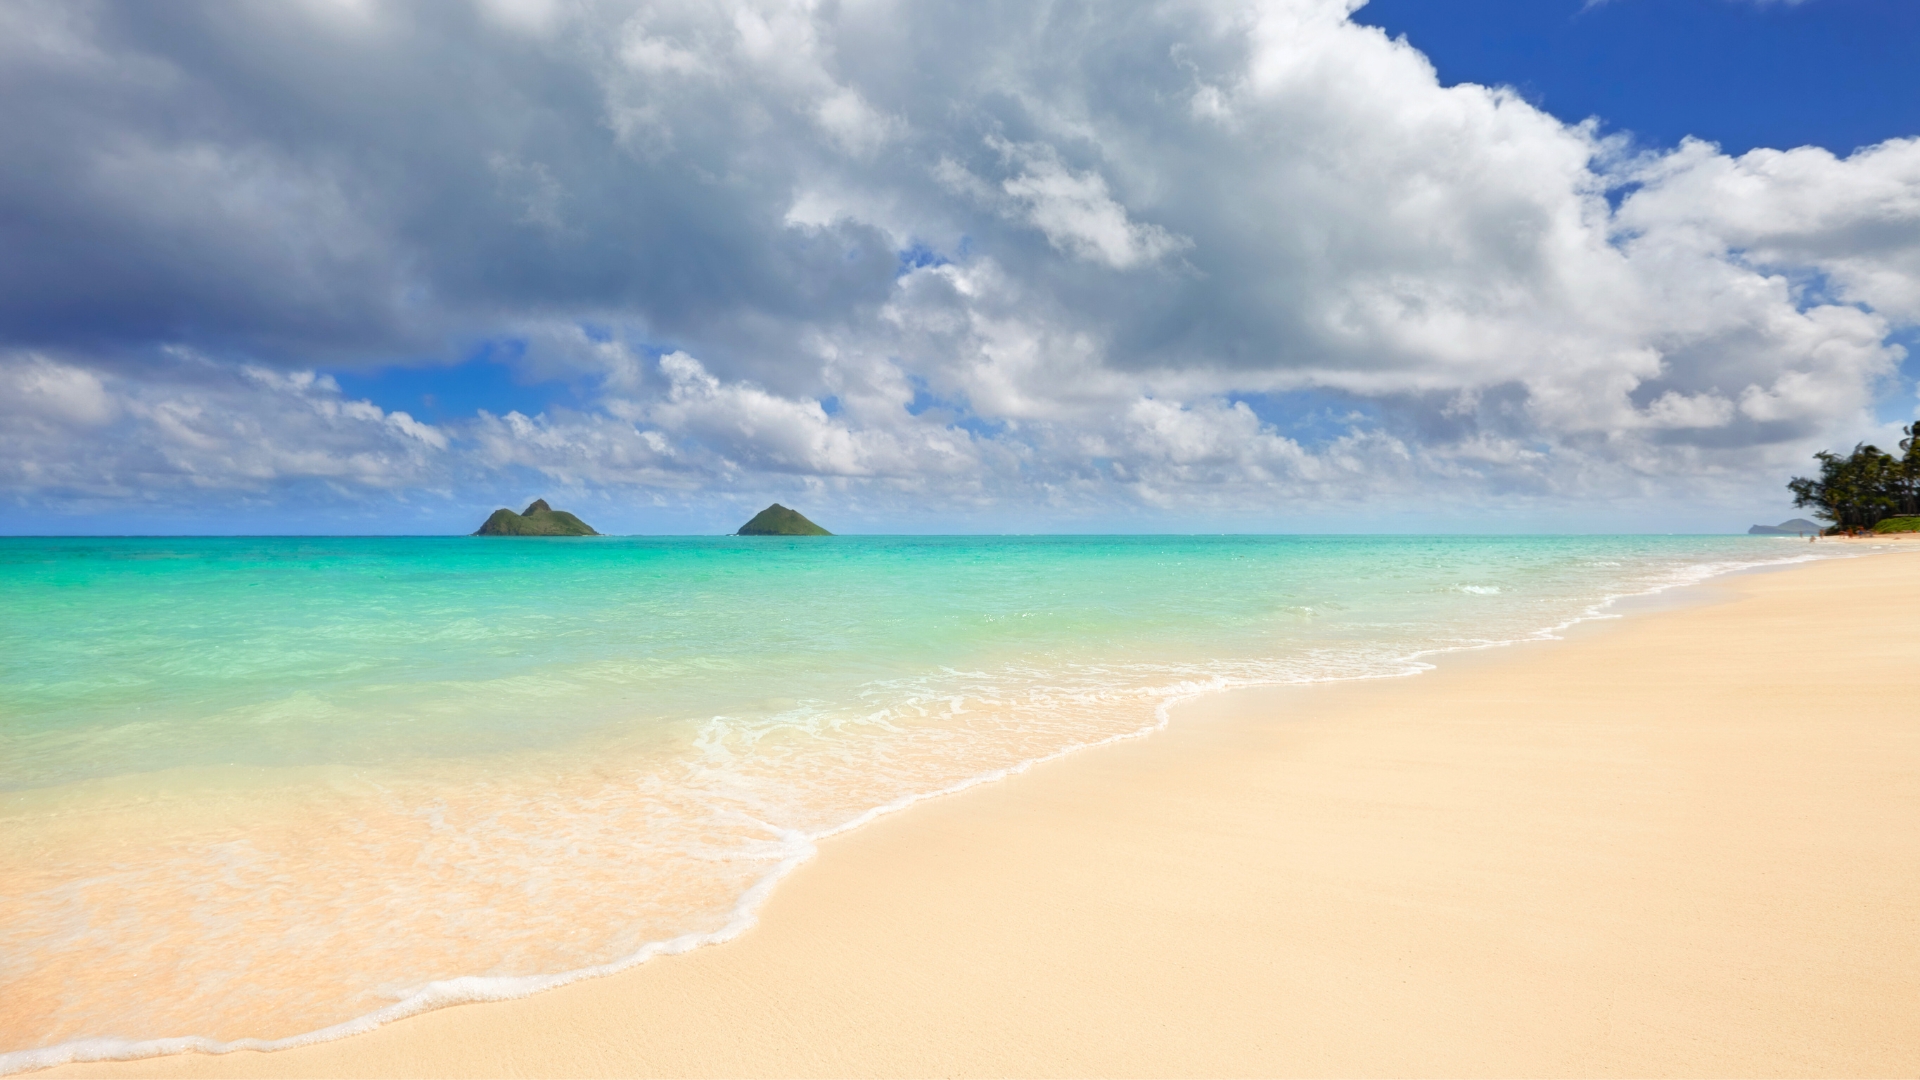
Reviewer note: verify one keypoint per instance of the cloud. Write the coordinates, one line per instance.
(1854, 221)
(998, 257)
(1073, 210)
(198, 430)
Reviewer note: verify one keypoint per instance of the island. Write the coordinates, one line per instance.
(777, 520)
(539, 519)
(1790, 527)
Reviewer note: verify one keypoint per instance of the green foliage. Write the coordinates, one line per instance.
(538, 520)
(1910, 524)
(1857, 491)
(777, 520)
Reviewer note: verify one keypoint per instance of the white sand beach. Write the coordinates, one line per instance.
(1684, 842)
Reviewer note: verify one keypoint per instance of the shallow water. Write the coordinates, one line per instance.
(255, 788)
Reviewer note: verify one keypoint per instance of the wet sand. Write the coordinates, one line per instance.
(1686, 842)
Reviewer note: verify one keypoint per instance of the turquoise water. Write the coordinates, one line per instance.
(258, 788)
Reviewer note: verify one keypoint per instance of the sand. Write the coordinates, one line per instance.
(1683, 842)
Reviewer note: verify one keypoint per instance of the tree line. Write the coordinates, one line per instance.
(1856, 491)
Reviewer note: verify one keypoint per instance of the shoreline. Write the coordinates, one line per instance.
(358, 1054)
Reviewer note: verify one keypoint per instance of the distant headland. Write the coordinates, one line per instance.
(538, 519)
(1792, 527)
(777, 520)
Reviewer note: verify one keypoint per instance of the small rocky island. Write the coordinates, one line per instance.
(538, 519)
(777, 520)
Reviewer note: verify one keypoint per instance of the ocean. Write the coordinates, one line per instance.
(259, 791)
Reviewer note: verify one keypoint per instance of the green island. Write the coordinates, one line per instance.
(538, 519)
(777, 520)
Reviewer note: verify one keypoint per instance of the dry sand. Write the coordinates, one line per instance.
(1685, 842)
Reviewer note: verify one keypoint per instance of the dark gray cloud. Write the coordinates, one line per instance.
(300, 186)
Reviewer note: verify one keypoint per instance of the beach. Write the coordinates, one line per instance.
(1676, 843)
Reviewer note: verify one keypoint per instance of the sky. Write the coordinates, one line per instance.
(336, 266)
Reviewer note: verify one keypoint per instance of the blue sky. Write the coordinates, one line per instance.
(1840, 74)
(1217, 265)
(488, 376)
